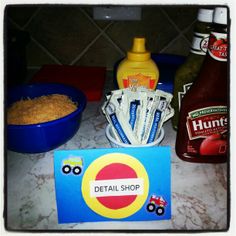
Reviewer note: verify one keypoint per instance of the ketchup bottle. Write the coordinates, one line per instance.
(202, 129)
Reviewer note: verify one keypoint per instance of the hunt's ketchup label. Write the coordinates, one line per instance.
(204, 122)
(209, 125)
(217, 47)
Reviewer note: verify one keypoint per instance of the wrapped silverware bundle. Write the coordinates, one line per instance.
(137, 116)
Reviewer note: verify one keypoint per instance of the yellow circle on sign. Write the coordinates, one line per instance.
(91, 173)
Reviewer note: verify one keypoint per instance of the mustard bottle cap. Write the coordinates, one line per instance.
(138, 51)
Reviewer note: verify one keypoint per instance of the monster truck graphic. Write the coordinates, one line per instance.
(73, 165)
(157, 204)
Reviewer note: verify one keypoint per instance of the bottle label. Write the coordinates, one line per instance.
(182, 93)
(218, 46)
(209, 126)
(200, 43)
(139, 80)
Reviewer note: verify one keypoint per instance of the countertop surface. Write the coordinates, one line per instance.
(199, 191)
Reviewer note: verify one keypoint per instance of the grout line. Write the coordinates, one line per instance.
(170, 43)
(181, 32)
(34, 67)
(85, 49)
(45, 50)
(14, 23)
(37, 43)
(91, 43)
(173, 41)
(170, 20)
(186, 29)
(123, 53)
(91, 20)
(31, 18)
(88, 46)
(103, 31)
(176, 27)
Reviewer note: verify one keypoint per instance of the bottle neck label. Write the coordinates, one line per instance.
(199, 43)
(218, 46)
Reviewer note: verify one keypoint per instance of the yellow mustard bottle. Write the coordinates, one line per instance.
(138, 69)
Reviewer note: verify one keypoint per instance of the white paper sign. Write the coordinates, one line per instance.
(117, 187)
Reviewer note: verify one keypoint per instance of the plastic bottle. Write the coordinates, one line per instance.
(188, 72)
(138, 69)
(203, 127)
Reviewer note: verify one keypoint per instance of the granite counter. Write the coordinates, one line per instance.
(199, 191)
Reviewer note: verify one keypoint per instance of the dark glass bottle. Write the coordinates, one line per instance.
(188, 72)
(203, 123)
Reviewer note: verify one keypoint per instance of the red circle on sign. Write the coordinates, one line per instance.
(116, 171)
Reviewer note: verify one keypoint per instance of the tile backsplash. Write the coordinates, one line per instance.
(68, 34)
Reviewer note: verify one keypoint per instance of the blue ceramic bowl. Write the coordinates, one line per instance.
(45, 136)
